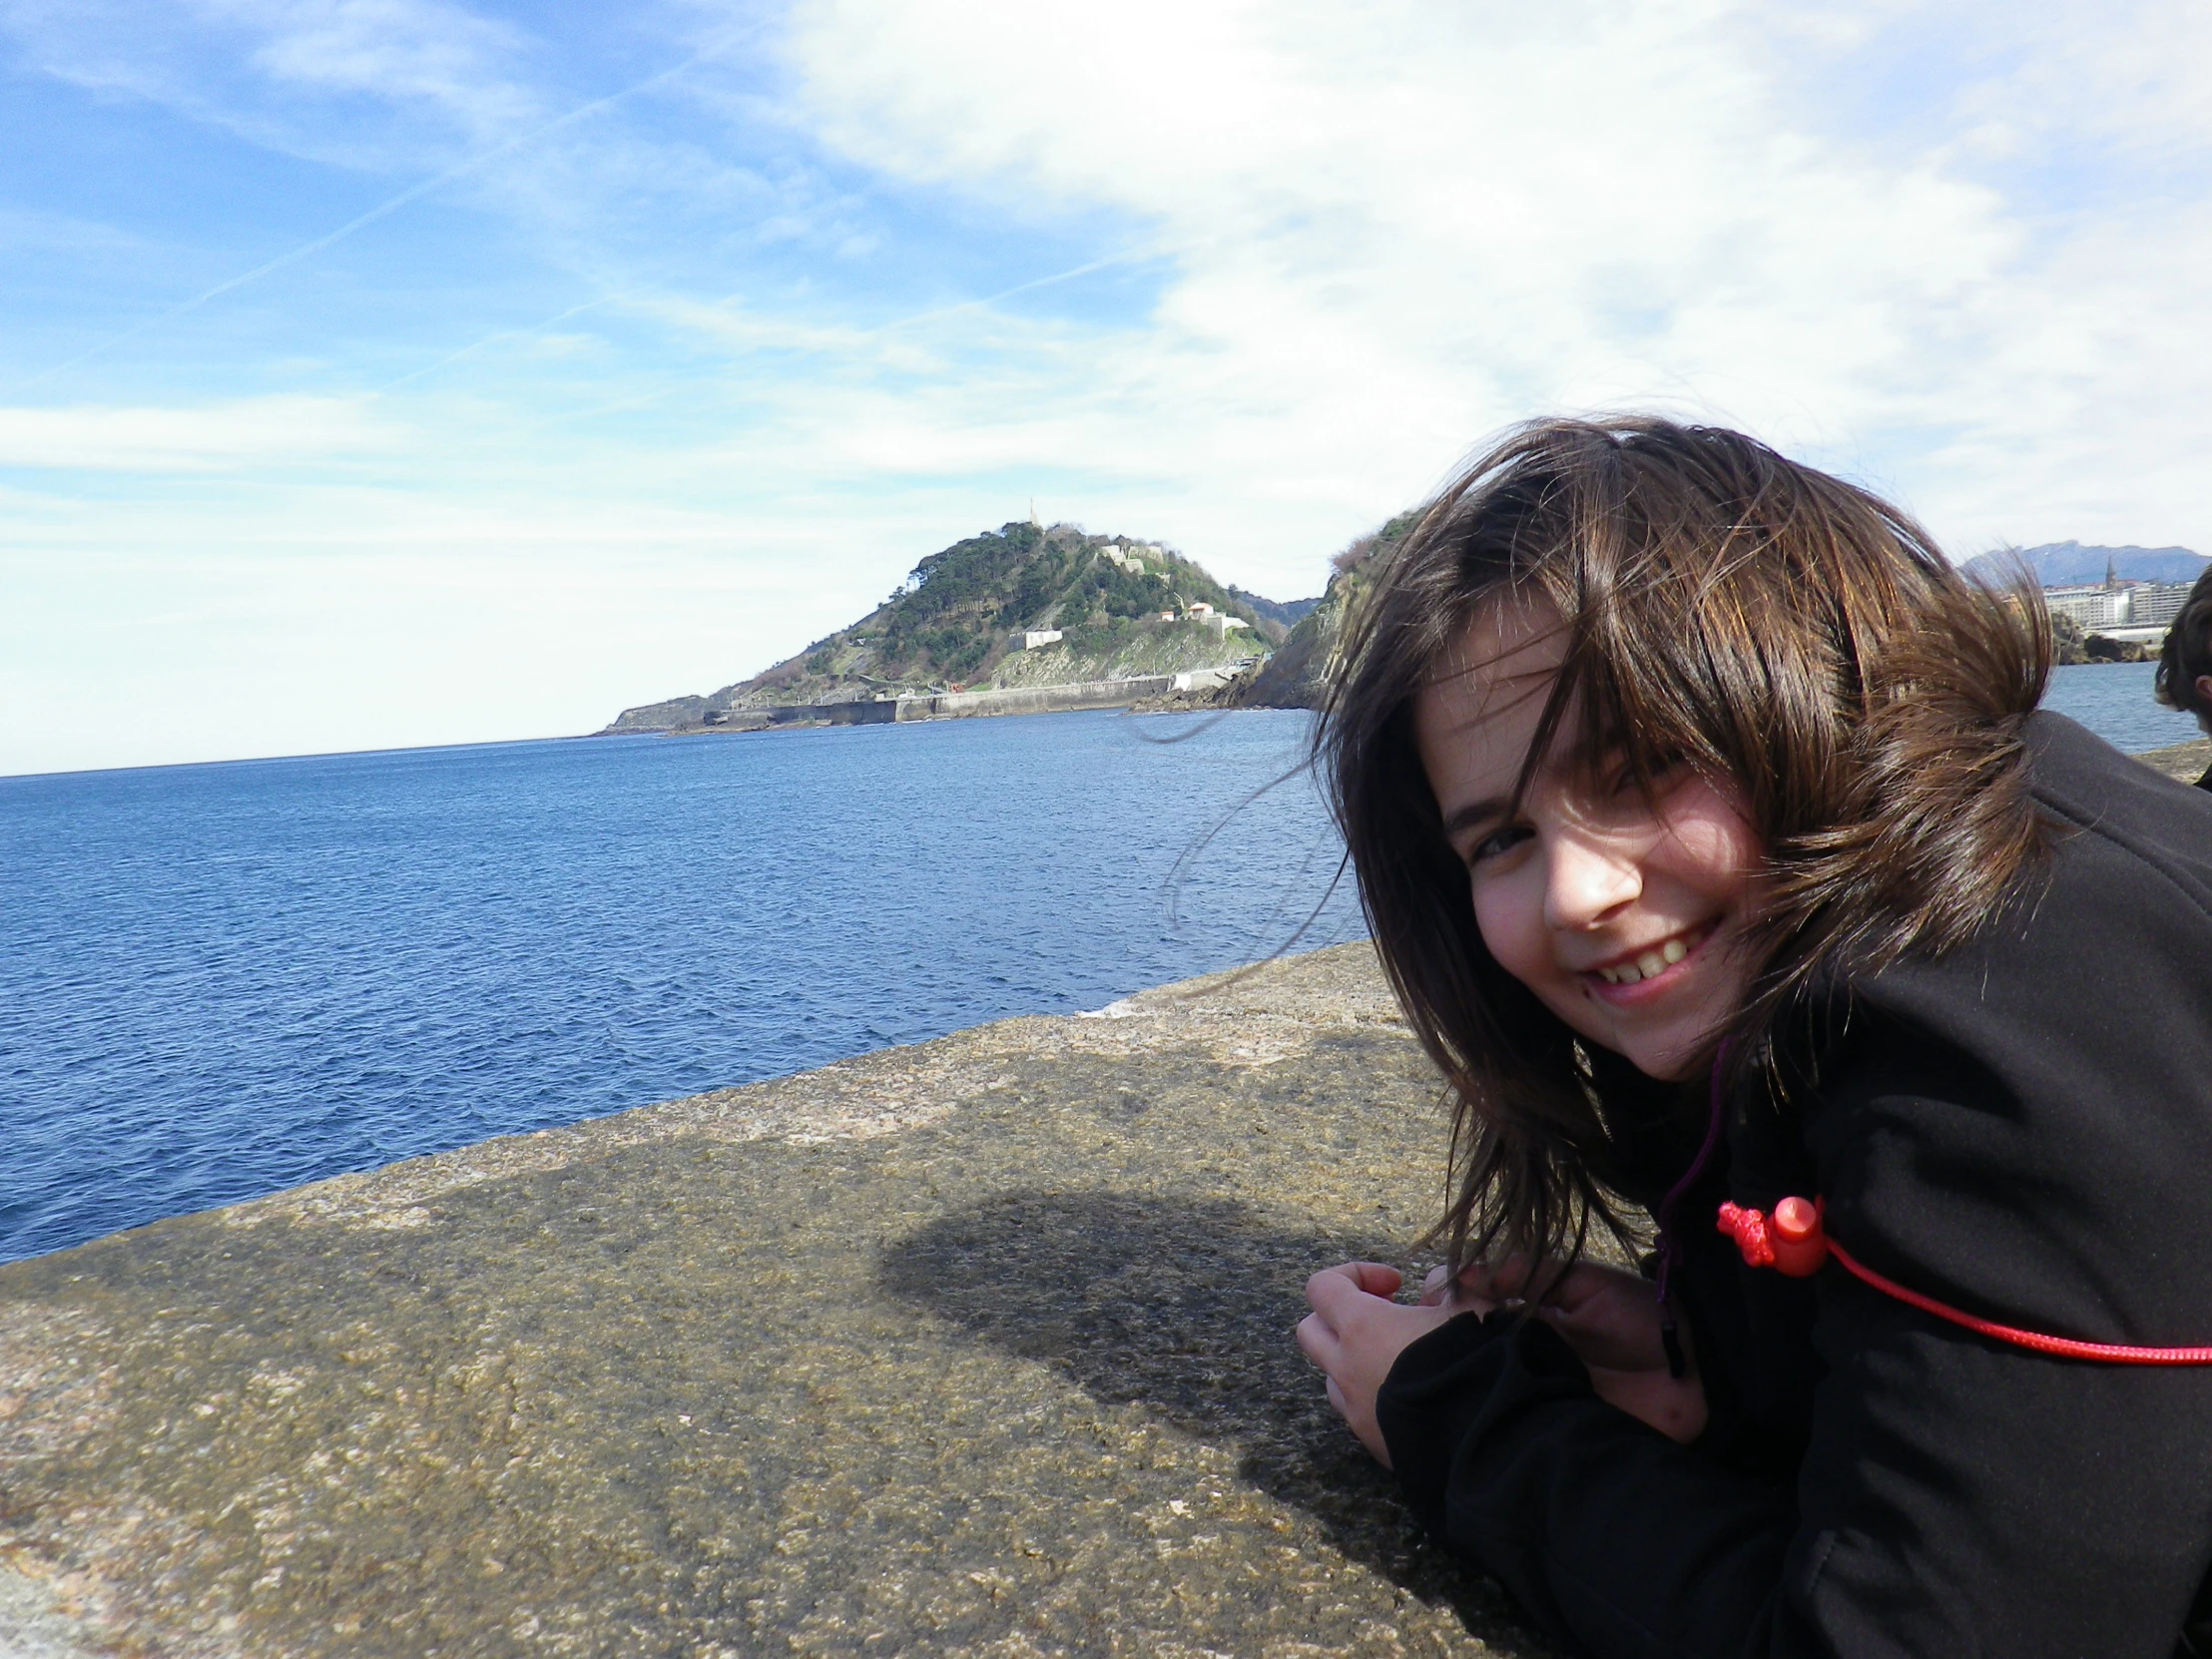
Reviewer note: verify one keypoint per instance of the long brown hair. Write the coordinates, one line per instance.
(1724, 607)
(2187, 654)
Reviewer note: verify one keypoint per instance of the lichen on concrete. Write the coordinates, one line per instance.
(979, 1346)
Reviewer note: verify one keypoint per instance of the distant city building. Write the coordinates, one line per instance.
(2122, 605)
(2092, 607)
(2157, 602)
(1030, 639)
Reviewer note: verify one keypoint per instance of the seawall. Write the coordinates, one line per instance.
(1012, 700)
(976, 1346)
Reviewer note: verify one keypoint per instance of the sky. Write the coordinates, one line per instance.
(385, 373)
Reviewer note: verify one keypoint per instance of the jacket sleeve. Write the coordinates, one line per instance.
(1958, 1496)
(1610, 1536)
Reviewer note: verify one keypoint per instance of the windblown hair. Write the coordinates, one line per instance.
(1722, 608)
(2187, 654)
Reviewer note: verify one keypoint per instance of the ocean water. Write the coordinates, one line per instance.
(220, 980)
(2113, 699)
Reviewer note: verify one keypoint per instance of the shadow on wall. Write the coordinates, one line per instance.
(1186, 1308)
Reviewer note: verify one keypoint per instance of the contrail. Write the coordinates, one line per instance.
(496, 333)
(1126, 258)
(393, 205)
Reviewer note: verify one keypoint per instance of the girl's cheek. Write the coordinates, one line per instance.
(1510, 915)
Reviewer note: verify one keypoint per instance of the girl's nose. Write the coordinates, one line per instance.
(1586, 882)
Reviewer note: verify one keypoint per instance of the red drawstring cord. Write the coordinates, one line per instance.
(1794, 1240)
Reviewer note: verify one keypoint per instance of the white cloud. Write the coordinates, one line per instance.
(1398, 225)
(255, 433)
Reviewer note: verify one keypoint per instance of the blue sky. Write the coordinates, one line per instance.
(395, 371)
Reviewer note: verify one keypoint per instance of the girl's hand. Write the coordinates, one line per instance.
(1610, 1318)
(1355, 1334)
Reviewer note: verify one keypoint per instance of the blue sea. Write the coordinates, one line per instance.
(220, 980)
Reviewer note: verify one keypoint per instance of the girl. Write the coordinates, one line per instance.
(1714, 846)
(2185, 678)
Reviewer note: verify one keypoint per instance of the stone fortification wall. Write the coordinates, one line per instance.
(1012, 700)
(1035, 700)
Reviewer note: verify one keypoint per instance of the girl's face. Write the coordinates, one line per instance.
(1626, 916)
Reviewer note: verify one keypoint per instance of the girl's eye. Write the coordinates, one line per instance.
(1495, 842)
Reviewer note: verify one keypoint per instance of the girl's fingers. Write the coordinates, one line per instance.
(1319, 1342)
(1366, 1277)
(1499, 1280)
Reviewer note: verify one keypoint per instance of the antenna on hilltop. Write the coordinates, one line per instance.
(1033, 512)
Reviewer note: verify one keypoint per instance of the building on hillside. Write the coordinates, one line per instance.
(1223, 625)
(1200, 609)
(1030, 638)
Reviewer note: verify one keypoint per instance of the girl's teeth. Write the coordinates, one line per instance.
(1649, 965)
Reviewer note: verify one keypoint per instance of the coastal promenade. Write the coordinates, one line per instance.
(979, 1346)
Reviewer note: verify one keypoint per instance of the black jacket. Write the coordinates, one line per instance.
(2023, 1130)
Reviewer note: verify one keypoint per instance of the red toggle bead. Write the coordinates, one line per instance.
(1792, 1241)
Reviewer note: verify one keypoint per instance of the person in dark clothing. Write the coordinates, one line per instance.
(2185, 661)
(1715, 847)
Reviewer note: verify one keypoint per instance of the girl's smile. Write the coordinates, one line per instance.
(1622, 912)
(1636, 976)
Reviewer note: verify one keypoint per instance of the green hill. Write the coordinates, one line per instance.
(1293, 677)
(1122, 607)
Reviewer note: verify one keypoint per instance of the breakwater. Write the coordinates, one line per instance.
(980, 1345)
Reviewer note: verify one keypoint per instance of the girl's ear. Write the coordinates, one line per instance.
(2204, 689)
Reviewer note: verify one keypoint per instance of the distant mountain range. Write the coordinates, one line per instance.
(973, 615)
(2062, 564)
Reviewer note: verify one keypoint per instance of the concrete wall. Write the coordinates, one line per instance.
(1037, 700)
(867, 713)
(1015, 700)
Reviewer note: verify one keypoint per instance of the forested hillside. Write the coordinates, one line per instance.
(1121, 605)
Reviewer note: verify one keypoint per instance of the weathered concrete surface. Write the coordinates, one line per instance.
(2185, 761)
(981, 1346)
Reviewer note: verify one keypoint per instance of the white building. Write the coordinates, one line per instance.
(2156, 602)
(2138, 611)
(1030, 639)
(2093, 607)
(1221, 623)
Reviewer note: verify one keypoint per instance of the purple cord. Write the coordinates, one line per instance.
(1670, 1246)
